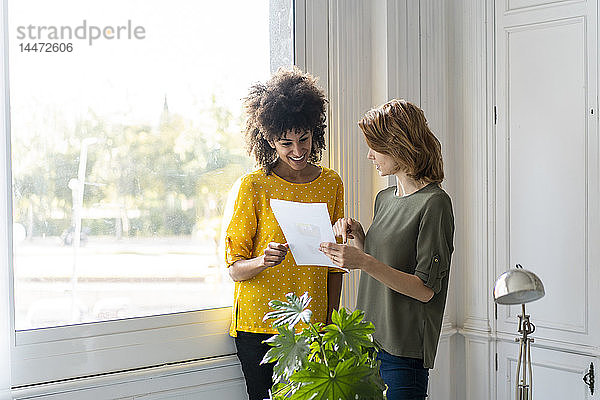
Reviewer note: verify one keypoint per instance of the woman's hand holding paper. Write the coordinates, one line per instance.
(274, 254)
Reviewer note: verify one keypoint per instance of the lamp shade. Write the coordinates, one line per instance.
(518, 286)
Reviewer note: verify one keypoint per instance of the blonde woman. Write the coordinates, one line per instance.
(405, 255)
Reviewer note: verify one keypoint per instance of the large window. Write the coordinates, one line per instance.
(126, 139)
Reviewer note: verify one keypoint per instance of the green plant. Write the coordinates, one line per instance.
(332, 362)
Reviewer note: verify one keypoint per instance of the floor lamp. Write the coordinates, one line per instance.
(520, 286)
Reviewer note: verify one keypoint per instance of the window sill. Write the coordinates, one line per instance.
(212, 372)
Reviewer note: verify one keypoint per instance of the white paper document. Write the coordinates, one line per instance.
(305, 226)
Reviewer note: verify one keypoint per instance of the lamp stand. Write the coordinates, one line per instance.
(524, 383)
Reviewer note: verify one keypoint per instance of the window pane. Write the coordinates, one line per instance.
(126, 140)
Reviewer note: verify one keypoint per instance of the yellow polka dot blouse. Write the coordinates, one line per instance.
(250, 230)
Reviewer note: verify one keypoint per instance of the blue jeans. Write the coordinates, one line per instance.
(405, 377)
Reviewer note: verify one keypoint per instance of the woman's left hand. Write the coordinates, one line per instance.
(344, 255)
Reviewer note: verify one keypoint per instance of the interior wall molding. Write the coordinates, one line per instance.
(402, 75)
(433, 53)
(447, 331)
(534, 6)
(479, 365)
(470, 120)
(349, 75)
(434, 72)
(440, 381)
(573, 331)
(310, 44)
(483, 122)
(403, 39)
(477, 324)
(583, 328)
(553, 344)
(475, 334)
(470, 124)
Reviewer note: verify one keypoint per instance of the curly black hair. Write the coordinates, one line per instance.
(289, 100)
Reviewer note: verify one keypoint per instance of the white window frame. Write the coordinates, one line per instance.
(58, 353)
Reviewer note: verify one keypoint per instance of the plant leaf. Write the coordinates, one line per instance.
(350, 330)
(289, 350)
(281, 391)
(347, 381)
(291, 312)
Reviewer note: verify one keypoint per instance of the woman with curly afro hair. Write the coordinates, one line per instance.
(285, 132)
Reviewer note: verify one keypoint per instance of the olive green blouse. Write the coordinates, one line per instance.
(413, 234)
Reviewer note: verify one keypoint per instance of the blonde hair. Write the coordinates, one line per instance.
(399, 129)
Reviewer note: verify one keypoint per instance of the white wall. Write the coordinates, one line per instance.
(470, 79)
(472, 69)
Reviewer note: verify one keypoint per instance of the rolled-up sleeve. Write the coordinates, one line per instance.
(241, 229)
(435, 242)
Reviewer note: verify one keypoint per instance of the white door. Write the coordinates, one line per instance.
(556, 374)
(547, 183)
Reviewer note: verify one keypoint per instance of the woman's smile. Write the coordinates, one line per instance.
(293, 148)
(299, 159)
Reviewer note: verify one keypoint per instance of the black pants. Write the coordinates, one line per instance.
(250, 351)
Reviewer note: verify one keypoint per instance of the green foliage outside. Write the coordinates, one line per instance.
(171, 179)
(332, 362)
